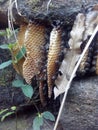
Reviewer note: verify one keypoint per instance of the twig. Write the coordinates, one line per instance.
(10, 20)
(48, 4)
(16, 4)
(49, 126)
(72, 76)
(16, 120)
(36, 107)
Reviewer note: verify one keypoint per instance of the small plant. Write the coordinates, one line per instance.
(7, 112)
(16, 58)
(28, 92)
(10, 47)
(26, 89)
(7, 33)
(40, 118)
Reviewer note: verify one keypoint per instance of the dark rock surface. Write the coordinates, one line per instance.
(58, 9)
(81, 108)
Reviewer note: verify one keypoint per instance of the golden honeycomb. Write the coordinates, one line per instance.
(34, 40)
(53, 56)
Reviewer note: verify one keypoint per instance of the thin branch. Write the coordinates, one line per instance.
(72, 76)
(10, 20)
(49, 125)
(16, 3)
(36, 107)
(48, 4)
(16, 119)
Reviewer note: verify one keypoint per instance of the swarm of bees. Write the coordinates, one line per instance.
(45, 53)
(89, 63)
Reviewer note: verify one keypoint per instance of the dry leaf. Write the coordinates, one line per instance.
(72, 55)
(90, 23)
(90, 55)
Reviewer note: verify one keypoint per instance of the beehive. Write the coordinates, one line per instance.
(53, 58)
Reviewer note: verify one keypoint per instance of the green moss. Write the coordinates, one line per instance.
(2, 81)
(35, 2)
(5, 79)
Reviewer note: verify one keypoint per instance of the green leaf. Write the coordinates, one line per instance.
(5, 46)
(8, 32)
(11, 45)
(48, 115)
(2, 33)
(5, 64)
(8, 46)
(6, 115)
(13, 108)
(27, 90)
(2, 111)
(21, 53)
(17, 83)
(37, 122)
